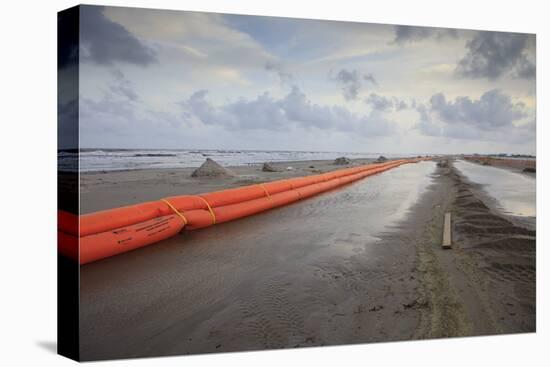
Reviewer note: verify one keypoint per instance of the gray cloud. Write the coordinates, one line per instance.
(261, 113)
(352, 81)
(493, 54)
(110, 121)
(383, 103)
(379, 102)
(490, 118)
(525, 69)
(410, 34)
(292, 111)
(425, 123)
(400, 104)
(105, 42)
(370, 78)
(285, 76)
(493, 110)
(123, 86)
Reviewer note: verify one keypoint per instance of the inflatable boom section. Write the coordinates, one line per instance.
(106, 233)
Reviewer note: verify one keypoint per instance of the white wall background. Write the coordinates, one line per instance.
(28, 179)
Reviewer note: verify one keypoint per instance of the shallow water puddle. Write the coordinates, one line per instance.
(514, 192)
(367, 209)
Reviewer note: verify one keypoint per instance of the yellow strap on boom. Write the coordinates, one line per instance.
(175, 210)
(209, 209)
(266, 192)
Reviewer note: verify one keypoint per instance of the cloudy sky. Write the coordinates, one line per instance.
(172, 79)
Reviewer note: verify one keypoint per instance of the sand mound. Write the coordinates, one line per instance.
(342, 161)
(211, 168)
(268, 168)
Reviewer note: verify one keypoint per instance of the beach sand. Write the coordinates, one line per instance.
(359, 264)
(105, 190)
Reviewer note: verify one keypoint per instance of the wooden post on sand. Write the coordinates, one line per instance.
(447, 231)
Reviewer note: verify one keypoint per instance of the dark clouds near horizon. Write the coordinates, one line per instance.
(492, 110)
(294, 110)
(494, 113)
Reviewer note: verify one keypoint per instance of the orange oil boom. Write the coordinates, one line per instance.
(110, 232)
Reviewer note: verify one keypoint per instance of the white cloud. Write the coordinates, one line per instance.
(293, 111)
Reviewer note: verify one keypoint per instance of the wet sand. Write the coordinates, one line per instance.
(359, 264)
(486, 284)
(105, 190)
(498, 251)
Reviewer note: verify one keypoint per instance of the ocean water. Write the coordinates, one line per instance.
(95, 160)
